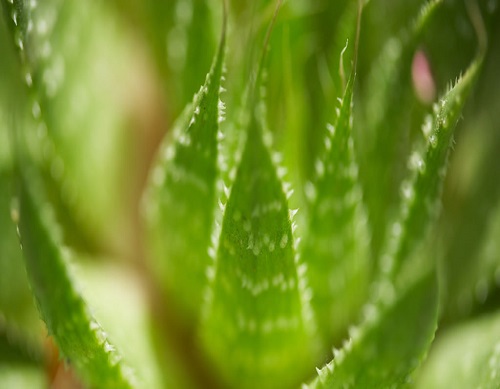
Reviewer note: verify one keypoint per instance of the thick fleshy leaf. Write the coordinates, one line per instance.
(405, 263)
(466, 356)
(119, 302)
(79, 337)
(336, 241)
(390, 344)
(18, 314)
(256, 325)
(181, 197)
(77, 91)
(422, 192)
(189, 41)
(392, 112)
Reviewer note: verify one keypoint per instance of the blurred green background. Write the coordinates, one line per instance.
(112, 77)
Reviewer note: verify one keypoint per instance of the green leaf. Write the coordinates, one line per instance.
(390, 344)
(257, 325)
(405, 300)
(190, 44)
(181, 196)
(391, 113)
(19, 318)
(421, 193)
(182, 37)
(120, 305)
(310, 67)
(18, 314)
(75, 91)
(336, 240)
(79, 337)
(466, 356)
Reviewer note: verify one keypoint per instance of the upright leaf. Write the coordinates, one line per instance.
(181, 198)
(336, 241)
(392, 112)
(79, 337)
(400, 323)
(421, 194)
(256, 326)
(17, 312)
(18, 315)
(307, 73)
(255, 271)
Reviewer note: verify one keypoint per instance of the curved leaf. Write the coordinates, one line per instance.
(120, 305)
(389, 345)
(422, 192)
(19, 319)
(391, 112)
(404, 264)
(18, 314)
(76, 92)
(80, 338)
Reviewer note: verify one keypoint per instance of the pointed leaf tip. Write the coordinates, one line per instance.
(260, 343)
(335, 244)
(421, 192)
(180, 205)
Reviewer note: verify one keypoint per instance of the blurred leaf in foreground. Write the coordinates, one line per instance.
(79, 337)
(467, 356)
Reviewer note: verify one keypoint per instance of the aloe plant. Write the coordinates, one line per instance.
(304, 220)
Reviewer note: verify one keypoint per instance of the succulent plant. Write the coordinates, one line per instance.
(252, 241)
